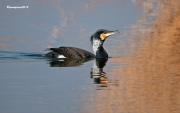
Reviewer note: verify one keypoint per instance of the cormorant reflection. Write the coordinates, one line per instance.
(67, 62)
(97, 72)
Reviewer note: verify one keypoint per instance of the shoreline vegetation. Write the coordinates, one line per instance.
(151, 81)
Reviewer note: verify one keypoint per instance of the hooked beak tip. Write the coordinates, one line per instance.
(112, 33)
(117, 31)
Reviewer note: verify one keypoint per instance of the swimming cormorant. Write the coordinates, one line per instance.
(97, 40)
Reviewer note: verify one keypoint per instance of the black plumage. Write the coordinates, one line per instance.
(70, 52)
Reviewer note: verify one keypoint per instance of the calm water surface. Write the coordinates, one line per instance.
(142, 75)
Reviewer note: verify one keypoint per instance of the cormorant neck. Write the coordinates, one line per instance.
(98, 49)
(101, 53)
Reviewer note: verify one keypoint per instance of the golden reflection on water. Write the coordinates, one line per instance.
(150, 83)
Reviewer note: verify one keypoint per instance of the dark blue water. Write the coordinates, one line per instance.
(28, 84)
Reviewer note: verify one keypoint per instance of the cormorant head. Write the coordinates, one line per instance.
(102, 34)
(98, 38)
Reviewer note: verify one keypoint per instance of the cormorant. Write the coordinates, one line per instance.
(97, 40)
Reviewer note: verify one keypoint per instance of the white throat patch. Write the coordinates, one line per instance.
(96, 44)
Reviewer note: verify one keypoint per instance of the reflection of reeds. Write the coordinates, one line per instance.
(2, 45)
(18, 39)
(151, 84)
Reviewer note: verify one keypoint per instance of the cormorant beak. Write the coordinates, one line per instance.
(111, 33)
(103, 36)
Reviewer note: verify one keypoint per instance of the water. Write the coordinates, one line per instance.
(32, 86)
(31, 83)
(141, 75)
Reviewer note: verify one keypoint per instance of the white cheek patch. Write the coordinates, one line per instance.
(61, 56)
(96, 44)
